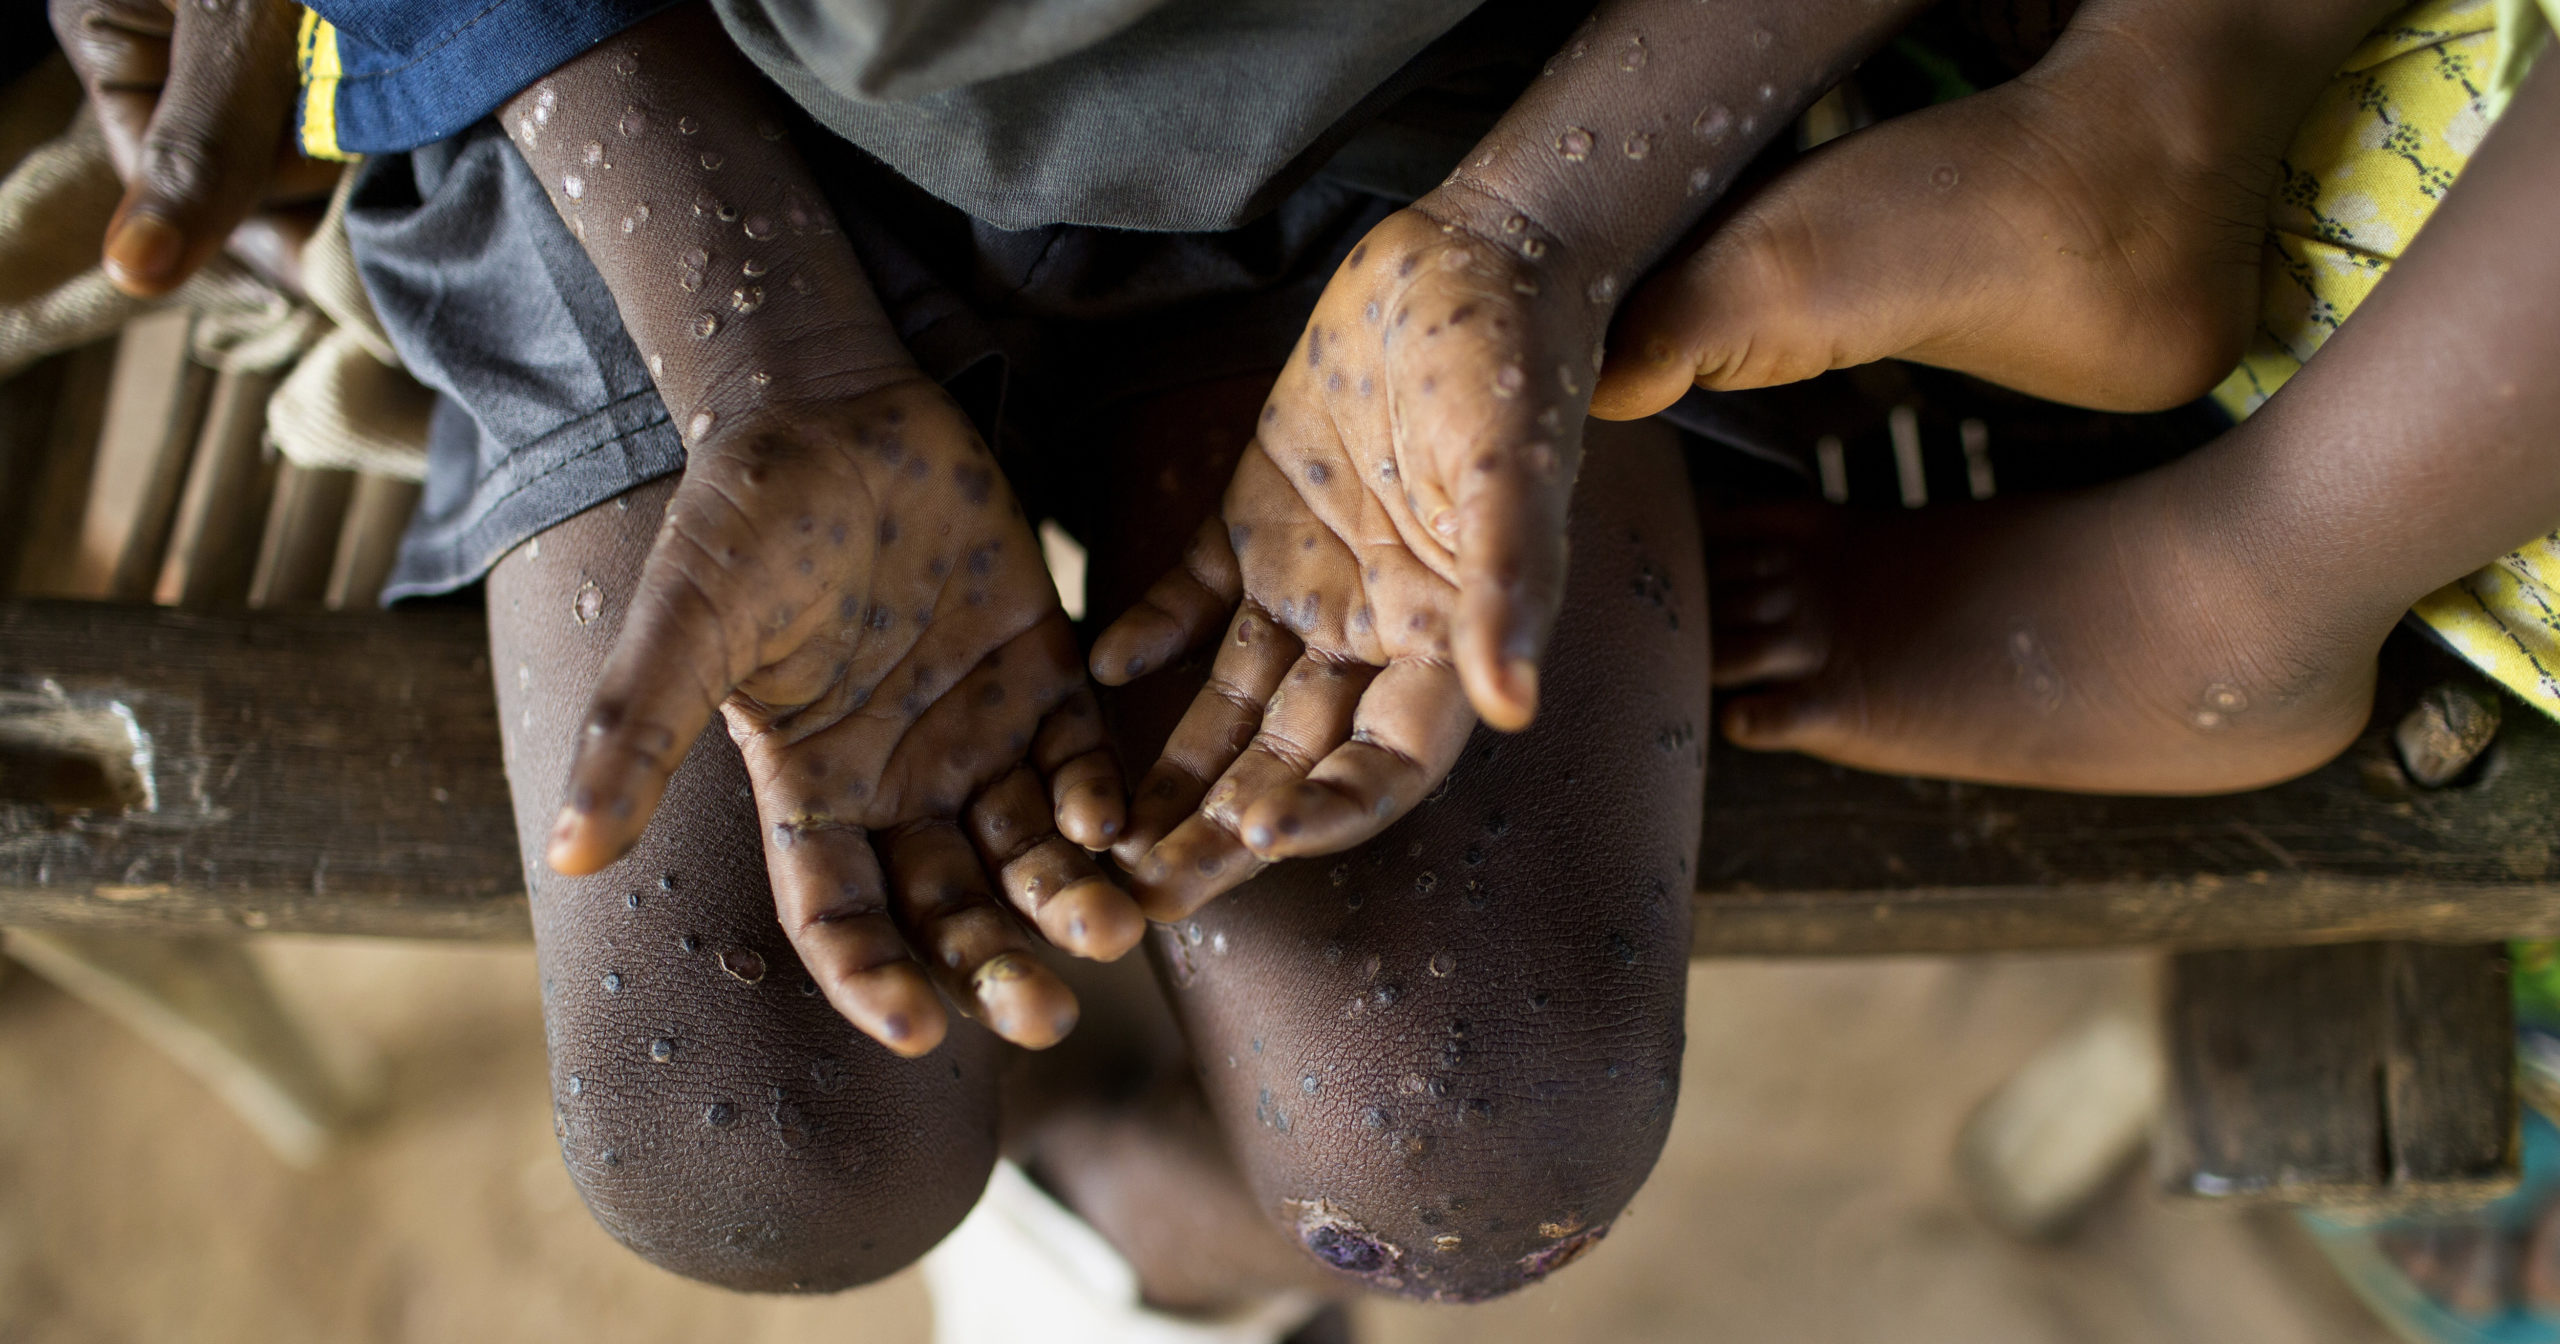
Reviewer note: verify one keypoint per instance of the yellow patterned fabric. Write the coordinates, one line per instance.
(2377, 151)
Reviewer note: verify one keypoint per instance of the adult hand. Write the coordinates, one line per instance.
(196, 100)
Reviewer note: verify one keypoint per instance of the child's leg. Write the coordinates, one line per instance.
(1447, 1059)
(2088, 232)
(2210, 625)
(718, 1116)
(1113, 1123)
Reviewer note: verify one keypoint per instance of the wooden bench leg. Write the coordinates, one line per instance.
(205, 1003)
(2374, 1075)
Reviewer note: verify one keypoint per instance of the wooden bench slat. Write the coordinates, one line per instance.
(340, 772)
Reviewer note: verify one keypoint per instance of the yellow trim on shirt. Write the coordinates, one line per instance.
(320, 74)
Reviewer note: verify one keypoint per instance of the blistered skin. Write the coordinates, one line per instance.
(2090, 232)
(716, 1113)
(1388, 560)
(1448, 1059)
(2211, 624)
(843, 574)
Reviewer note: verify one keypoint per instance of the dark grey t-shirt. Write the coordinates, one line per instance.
(1184, 115)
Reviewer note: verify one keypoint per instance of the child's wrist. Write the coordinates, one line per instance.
(1569, 258)
(740, 391)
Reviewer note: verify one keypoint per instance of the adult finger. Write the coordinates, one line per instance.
(1411, 726)
(120, 50)
(205, 157)
(975, 950)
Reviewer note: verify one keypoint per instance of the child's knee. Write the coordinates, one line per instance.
(1448, 1059)
(760, 1149)
(717, 1116)
(716, 1113)
(1447, 1062)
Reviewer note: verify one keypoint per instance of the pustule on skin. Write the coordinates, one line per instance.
(729, 270)
(1647, 113)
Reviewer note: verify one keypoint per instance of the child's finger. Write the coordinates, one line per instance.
(1197, 862)
(834, 906)
(1511, 560)
(205, 157)
(659, 688)
(975, 950)
(980, 728)
(690, 637)
(1054, 884)
(1411, 726)
(1307, 719)
(1073, 752)
(1223, 718)
(1178, 614)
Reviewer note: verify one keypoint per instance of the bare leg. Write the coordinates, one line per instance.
(2090, 231)
(718, 1116)
(1447, 1059)
(2212, 624)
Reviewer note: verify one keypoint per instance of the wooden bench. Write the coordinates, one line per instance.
(2334, 1015)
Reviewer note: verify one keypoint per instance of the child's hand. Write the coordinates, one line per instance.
(1395, 537)
(852, 586)
(195, 101)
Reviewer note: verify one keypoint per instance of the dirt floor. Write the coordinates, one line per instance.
(1806, 1195)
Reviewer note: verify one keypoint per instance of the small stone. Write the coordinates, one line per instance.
(2445, 732)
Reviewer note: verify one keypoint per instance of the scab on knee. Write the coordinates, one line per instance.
(1448, 1060)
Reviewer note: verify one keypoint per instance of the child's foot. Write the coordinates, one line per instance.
(2089, 232)
(852, 586)
(2096, 641)
(1386, 565)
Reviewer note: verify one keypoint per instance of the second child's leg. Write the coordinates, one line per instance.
(2088, 232)
(2210, 625)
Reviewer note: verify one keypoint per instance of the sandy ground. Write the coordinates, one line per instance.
(1806, 1194)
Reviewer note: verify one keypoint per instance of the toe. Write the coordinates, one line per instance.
(1747, 655)
(1784, 720)
(1748, 604)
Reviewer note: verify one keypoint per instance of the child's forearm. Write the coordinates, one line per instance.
(662, 150)
(1643, 120)
(2424, 439)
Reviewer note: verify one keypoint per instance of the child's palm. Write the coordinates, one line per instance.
(1391, 552)
(852, 587)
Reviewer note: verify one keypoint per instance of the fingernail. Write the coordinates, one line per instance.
(144, 250)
